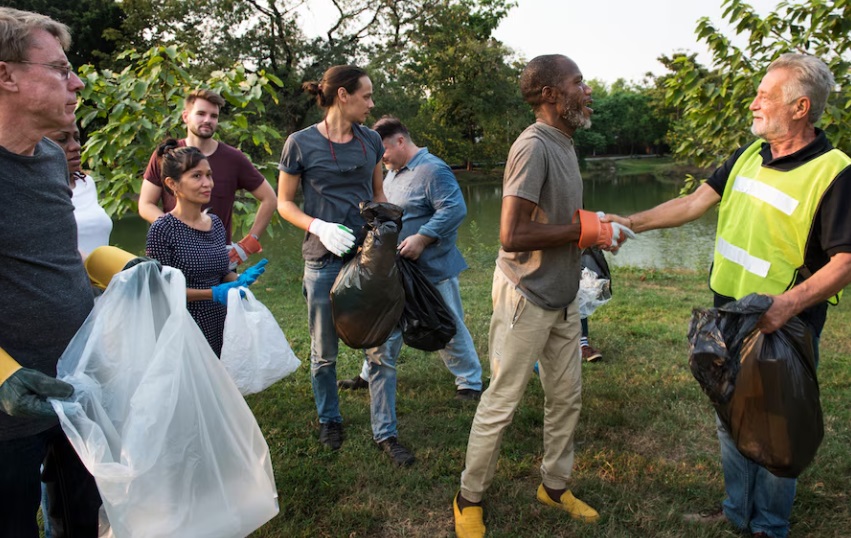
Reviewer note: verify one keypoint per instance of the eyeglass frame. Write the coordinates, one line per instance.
(66, 69)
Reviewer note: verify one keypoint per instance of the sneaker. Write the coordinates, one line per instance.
(331, 434)
(355, 383)
(468, 394)
(589, 354)
(469, 523)
(570, 504)
(400, 455)
(707, 517)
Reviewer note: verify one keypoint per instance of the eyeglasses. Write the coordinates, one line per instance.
(64, 69)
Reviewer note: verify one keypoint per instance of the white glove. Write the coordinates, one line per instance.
(337, 238)
(620, 233)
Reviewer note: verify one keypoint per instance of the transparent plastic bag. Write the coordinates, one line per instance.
(255, 352)
(593, 292)
(156, 419)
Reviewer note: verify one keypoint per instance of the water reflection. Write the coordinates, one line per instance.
(687, 247)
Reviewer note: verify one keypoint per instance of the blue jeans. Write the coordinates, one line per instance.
(459, 355)
(756, 499)
(74, 500)
(318, 280)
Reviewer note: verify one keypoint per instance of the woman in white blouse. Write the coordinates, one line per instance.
(93, 224)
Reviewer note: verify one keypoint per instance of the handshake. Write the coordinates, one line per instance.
(595, 232)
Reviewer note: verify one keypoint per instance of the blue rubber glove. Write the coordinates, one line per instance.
(220, 292)
(251, 274)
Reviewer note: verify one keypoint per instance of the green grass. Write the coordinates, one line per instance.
(646, 450)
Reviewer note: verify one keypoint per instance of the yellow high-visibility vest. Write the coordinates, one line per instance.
(765, 220)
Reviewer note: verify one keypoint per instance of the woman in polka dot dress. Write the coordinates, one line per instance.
(193, 241)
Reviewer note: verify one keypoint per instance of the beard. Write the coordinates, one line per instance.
(576, 119)
(767, 128)
(208, 133)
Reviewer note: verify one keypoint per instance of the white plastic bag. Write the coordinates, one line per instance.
(158, 422)
(255, 351)
(594, 292)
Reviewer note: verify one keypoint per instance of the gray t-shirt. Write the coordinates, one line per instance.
(334, 181)
(543, 169)
(45, 289)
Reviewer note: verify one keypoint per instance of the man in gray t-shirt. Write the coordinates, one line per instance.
(535, 312)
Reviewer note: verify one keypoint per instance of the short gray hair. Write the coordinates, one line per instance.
(16, 28)
(813, 79)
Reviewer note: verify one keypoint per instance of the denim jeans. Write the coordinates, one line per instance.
(756, 499)
(73, 496)
(319, 277)
(459, 355)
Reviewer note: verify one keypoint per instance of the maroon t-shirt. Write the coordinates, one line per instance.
(231, 171)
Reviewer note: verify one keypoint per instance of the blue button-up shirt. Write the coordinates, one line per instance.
(427, 190)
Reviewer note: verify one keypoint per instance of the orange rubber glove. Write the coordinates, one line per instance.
(240, 251)
(604, 235)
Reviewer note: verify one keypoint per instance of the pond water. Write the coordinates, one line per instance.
(687, 247)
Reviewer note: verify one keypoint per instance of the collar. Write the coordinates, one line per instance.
(819, 146)
(415, 160)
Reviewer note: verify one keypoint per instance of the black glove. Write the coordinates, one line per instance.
(25, 393)
(142, 259)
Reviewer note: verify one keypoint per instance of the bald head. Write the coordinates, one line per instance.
(547, 70)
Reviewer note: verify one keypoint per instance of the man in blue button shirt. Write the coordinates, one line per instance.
(425, 187)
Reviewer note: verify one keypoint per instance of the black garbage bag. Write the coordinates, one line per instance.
(427, 322)
(774, 411)
(367, 297)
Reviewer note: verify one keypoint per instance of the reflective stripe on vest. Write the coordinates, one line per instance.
(765, 220)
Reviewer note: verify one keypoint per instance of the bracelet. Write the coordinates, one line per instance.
(630, 223)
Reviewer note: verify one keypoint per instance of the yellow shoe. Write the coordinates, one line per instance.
(570, 504)
(469, 523)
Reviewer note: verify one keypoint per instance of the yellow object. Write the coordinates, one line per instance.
(570, 504)
(765, 222)
(8, 366)
(469, 523)
(104, 263)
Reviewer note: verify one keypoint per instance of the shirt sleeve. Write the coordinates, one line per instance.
(160, 244)
(292, 160)
(833, 220)
(152, 171)
(525, 170)
(445, 197)
(718, 179)
(249, 177)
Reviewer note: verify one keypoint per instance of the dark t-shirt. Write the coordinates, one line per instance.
(334, 184)
(831, 232)
(231, 171)
(45, 289)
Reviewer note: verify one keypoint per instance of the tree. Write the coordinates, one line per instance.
(95, 25)
(713, 103)
(137, 108)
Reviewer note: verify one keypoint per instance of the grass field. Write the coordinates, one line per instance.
(646, 450)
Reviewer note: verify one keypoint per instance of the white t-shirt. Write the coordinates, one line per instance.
(93, 224)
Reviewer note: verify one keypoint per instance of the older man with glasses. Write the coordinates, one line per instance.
(45, 289)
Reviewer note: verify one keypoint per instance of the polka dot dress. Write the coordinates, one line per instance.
(202, 258)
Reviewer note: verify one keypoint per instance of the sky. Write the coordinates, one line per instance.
(611, 39)
(608, 39)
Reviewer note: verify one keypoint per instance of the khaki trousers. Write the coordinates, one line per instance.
(520, 334)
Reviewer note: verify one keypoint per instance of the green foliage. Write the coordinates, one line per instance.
(713, 103)
(134, 110)
(94, 24)
(626, 121)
